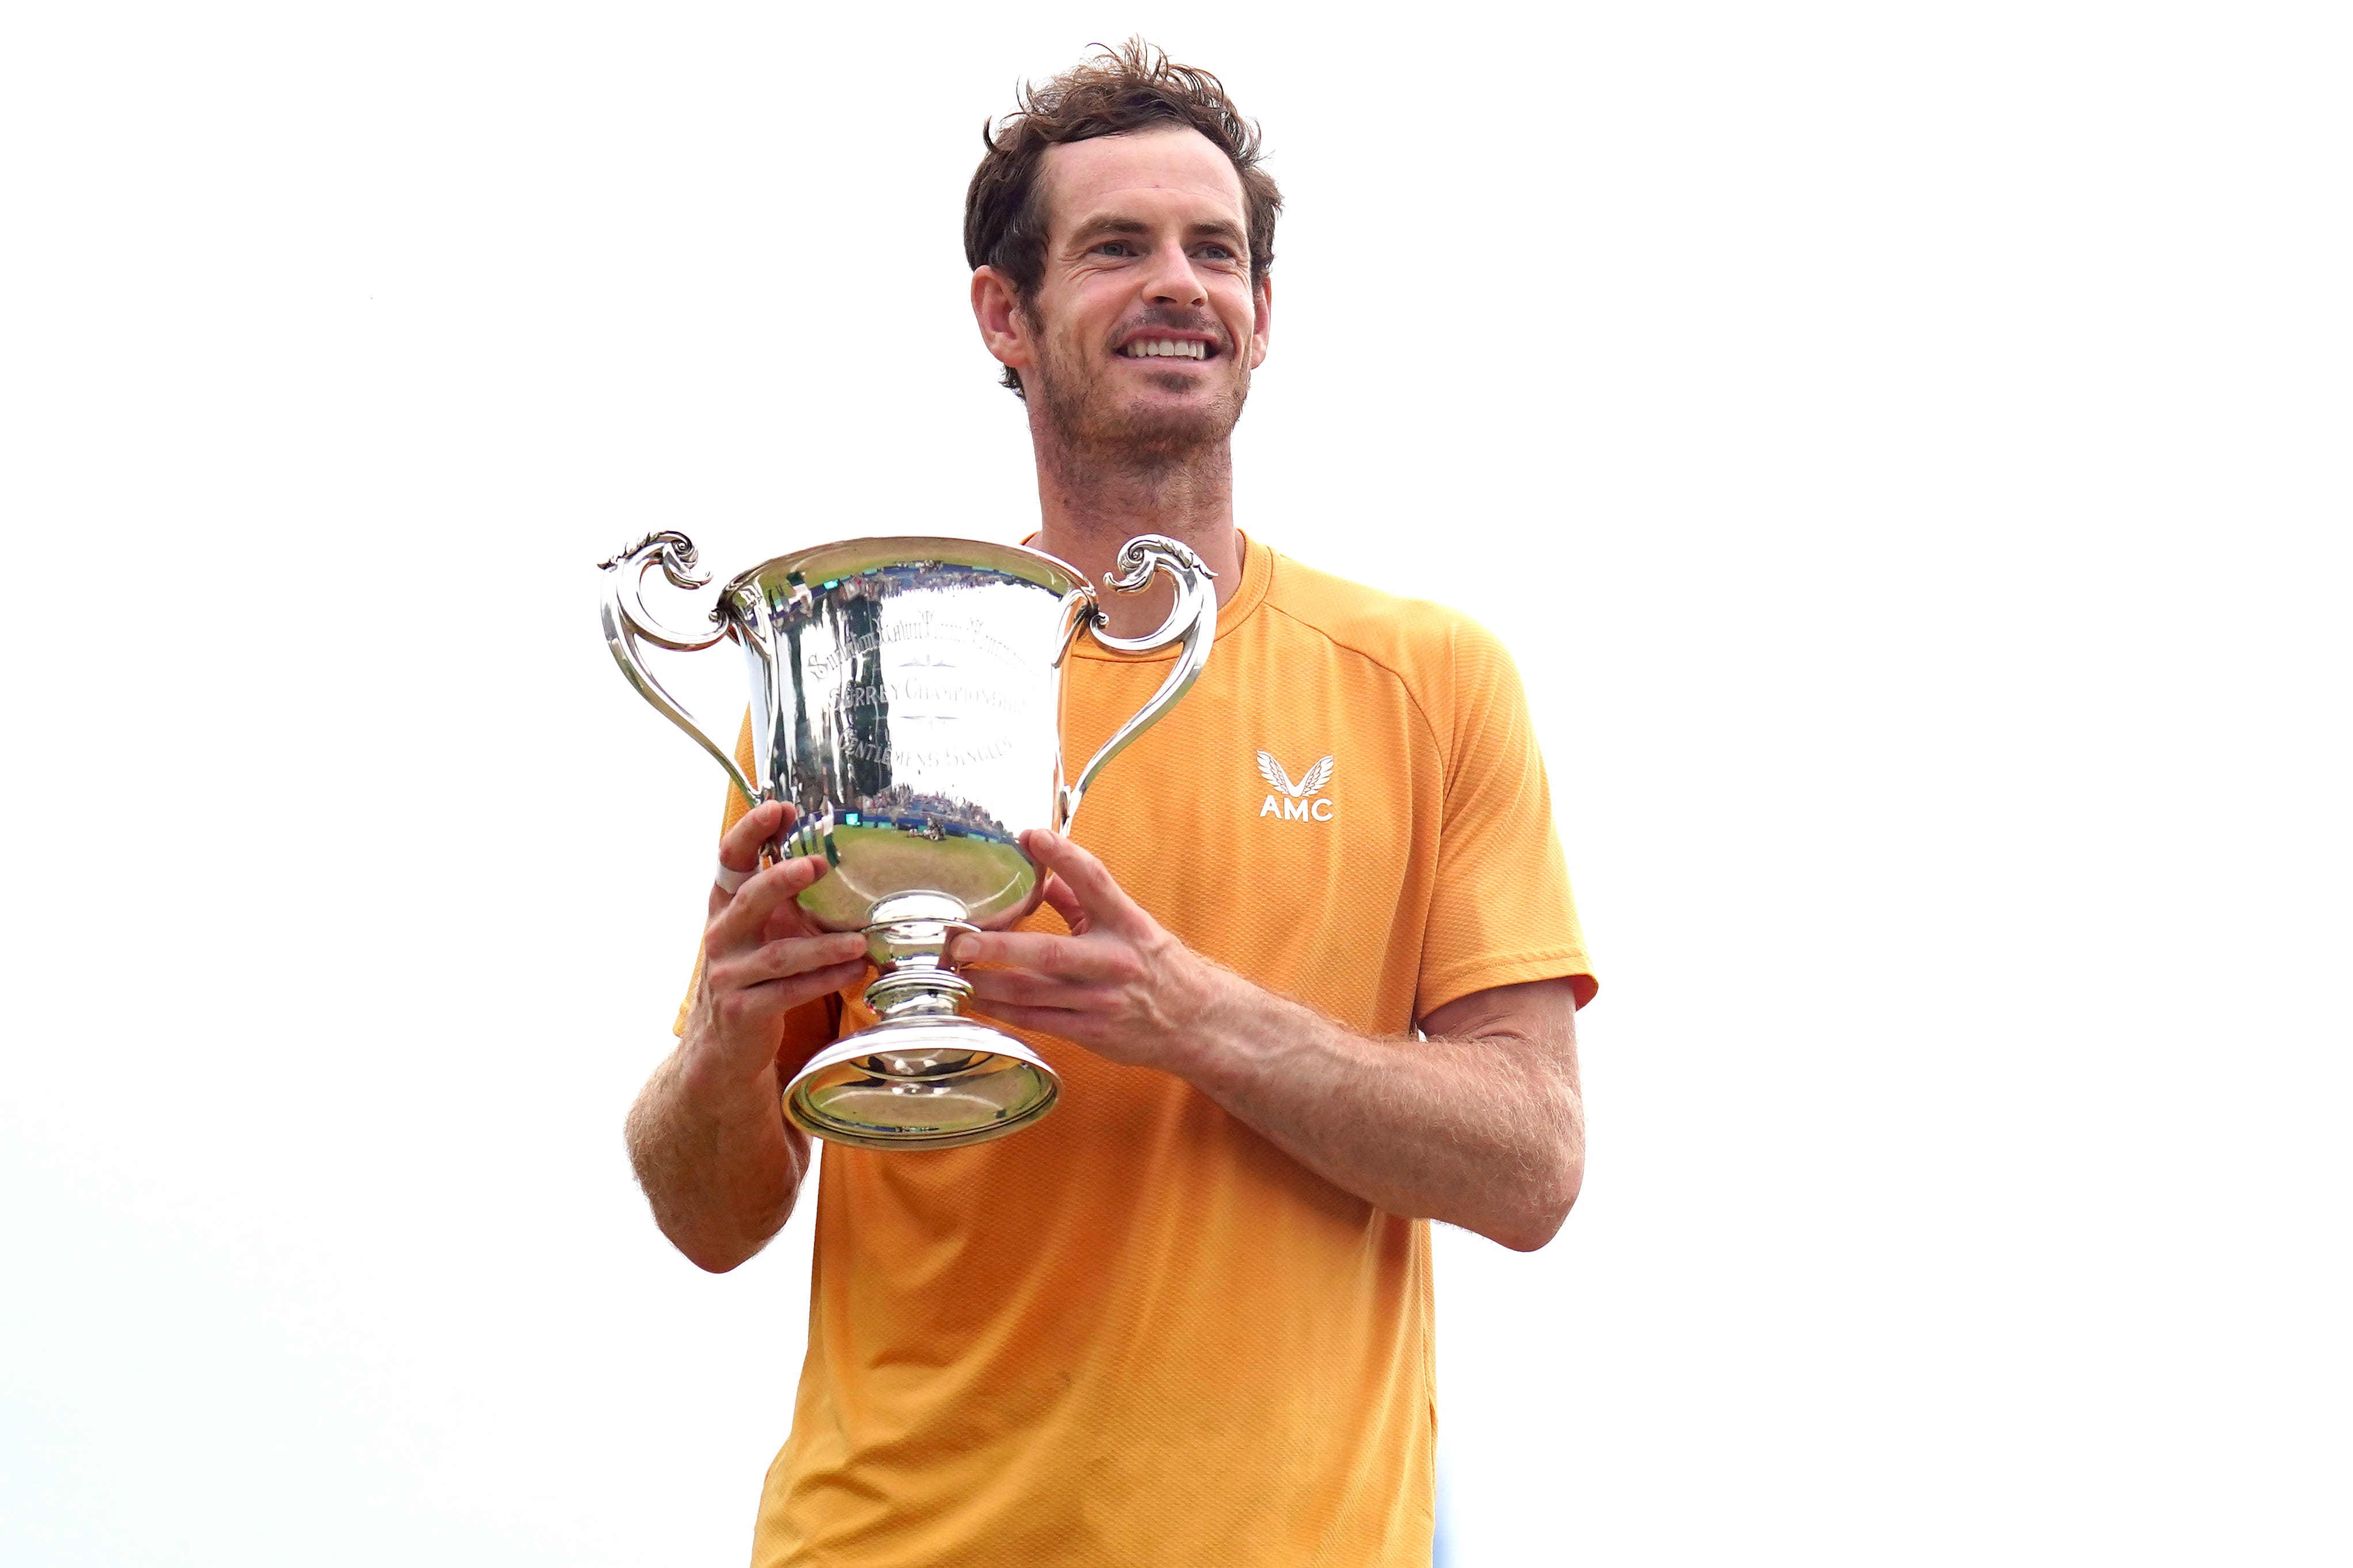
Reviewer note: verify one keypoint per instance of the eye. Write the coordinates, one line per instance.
(1114, 248)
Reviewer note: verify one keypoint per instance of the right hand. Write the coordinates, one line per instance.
(761, 954)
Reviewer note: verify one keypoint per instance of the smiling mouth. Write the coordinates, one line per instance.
(1166, 348)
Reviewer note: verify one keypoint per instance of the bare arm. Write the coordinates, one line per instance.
(1481, 1125)
(708, 1137)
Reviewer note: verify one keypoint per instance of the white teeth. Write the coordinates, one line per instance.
(1166, 348)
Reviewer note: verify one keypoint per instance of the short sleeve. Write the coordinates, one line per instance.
(808, 1029)
(1501, 909)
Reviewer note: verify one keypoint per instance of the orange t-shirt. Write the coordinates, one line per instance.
(1137, 1333)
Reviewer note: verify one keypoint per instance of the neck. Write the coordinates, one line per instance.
(1090, 506)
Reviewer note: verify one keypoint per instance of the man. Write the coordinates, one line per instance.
(1185, 1320)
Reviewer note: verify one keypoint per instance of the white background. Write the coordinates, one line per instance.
(1905, 446)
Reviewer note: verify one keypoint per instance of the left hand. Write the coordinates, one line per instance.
(1119, 985)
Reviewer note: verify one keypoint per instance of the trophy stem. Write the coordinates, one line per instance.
(924, 1075)
(907, 936)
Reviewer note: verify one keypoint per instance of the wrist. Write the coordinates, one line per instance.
(1245, 1036)
(1195, 1032)
(719, 1081)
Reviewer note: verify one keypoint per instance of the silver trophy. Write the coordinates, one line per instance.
(906, 699)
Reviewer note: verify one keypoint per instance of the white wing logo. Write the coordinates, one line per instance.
(1310, 783)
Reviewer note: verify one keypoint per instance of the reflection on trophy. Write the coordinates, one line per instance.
(905, 699)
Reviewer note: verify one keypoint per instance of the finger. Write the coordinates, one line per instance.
(775, 998)
(740, 921)
(740, 846)
(1061, 957)
(1065, 903)
(798, 955)
(1029, 989)
(782, 960)
(788, 919)
(1099, 897)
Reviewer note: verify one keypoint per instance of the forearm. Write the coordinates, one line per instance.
(720, 1165)
(707, 1135)
(1480, 1125)
(1486, 1133)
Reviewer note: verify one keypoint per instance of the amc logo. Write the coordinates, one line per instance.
(1297, 802)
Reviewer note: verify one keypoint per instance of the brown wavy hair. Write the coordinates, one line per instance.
(1131, 88)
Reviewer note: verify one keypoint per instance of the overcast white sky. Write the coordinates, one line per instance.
(1904, 445)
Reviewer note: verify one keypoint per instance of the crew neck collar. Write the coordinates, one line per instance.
(1258, 571)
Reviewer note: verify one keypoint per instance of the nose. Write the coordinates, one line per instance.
(1171, 279)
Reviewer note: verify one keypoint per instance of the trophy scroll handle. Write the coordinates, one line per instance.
(1194, 618)
(626, 620)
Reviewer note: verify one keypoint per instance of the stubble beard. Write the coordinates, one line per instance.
(1092, 431)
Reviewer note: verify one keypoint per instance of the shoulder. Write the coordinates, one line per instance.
(1439, 653)
(1456, 674)
(1417, 638)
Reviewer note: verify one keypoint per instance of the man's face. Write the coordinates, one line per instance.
(1145, 328)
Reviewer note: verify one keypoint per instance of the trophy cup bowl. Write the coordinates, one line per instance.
(906, 699)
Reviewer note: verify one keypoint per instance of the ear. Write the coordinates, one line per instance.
(1264, 323)
(1004, 330)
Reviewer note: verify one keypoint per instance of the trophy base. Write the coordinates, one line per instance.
(928, 1082)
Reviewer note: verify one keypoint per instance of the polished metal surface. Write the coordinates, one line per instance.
(1193, 617)
(625, 619)
(905, 696)
(922, 1083)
